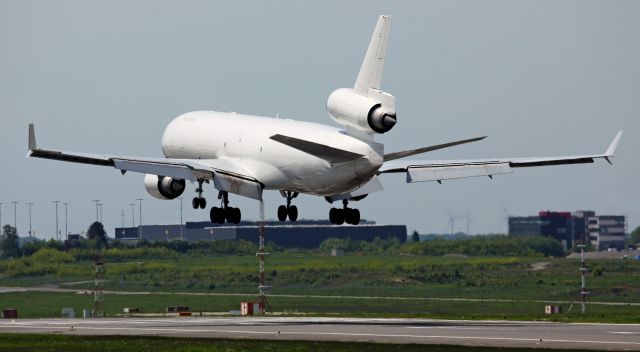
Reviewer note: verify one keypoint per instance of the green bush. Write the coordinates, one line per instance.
(489, 246)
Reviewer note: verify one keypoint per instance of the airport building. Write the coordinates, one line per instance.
(602, 231)
(548, 223)
(608, 231)
(301, 234)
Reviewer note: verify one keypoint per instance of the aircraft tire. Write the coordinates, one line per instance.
(195, 203)
(282, 213)
(293, 213)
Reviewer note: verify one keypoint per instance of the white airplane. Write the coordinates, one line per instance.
(246, 155)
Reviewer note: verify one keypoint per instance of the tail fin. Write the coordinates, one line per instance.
(370, 74)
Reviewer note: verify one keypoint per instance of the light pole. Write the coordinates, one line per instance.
(133, 214)
(97, 202)
(30, 204)
(15, 217)
(66, 219)
(181, 237)
(140, 220)
(1, 214)
(100, 208)
(57, 231)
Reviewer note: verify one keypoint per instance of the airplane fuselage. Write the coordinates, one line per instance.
(218, 135)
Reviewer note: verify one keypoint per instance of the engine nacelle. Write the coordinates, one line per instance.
(164, 188)
(373, 113)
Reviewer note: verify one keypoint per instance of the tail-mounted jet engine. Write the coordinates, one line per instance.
(163, 187)
(373, 113)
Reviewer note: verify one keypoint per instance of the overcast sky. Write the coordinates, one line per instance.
(538, 77)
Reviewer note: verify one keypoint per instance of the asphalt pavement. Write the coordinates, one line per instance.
(415, 331)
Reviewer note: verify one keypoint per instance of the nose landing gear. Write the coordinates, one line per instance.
(340, 216)
(288, 210)
(225, 212)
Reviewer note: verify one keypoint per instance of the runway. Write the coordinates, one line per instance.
(415, 331)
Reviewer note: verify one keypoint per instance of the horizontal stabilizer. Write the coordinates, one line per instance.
(330, 154)
(402, 154)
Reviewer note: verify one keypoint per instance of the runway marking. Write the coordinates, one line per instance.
(536, 340)
(624, 332)
(463, 328)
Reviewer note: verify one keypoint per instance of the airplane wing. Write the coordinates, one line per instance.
(439, 170)
(227, 175)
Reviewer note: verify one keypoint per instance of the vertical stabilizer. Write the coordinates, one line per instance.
(370, 74)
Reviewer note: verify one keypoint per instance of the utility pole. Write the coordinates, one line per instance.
(66, 219)
(583, 279)
(97, 202)
(122, 217)
(30, 204)
(133, 214)
(15, 217)
(100, 207)
(181, 237)
(262, 286)
(57, 231)
(140, 220)
(1, 214)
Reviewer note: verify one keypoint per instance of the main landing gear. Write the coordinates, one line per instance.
(199, 202)
(340, 216)
(225, 212)
(218, 215)
(288, 210)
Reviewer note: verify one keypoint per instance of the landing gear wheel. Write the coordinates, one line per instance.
(293, 213)
(339, 217)
(203, 203)
(282, 213)
(217, 215)
(237, 215)
(232, 215)
(332, 215)
(288, 210)
(352, 216)
(195, 203)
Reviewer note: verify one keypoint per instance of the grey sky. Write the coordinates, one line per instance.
(539, 78)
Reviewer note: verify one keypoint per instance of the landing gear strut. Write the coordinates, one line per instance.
(199, 202)
(288, 210)
(340, 216)
(225, 212)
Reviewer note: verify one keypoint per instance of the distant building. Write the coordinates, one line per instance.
(608, 231)
(301, 234)
(554, 224)
(582, 226)
(524, 225)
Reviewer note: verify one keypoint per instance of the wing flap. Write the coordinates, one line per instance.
(426, 173)
(180, 171)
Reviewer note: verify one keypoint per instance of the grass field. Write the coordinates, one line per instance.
(372, 275)
(399, 277)
(42, 343)
(48, 304)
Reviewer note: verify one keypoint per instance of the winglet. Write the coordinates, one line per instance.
(32, 138)
(611, 151)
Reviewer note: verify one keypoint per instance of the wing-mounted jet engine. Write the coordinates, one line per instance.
(163, 187)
